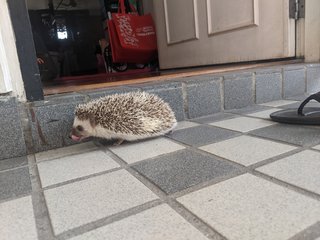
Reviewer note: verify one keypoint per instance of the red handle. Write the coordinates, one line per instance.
(122, 7)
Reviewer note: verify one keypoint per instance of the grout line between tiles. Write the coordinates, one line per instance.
(275, 158)
(66, 155)
(14, 168)
(41, 213)
(249, 169)
(286, 185)
(14, 198)
(310, 233)
(186, 214)
(108, 220)
(42, 216)
(185, 100)
(80, 179)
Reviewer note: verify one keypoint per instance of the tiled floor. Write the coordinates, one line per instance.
(233, 175)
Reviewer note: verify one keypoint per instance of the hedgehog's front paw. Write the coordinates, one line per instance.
(118, 142)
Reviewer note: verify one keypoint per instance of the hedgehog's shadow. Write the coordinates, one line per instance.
(104, 142)
(110, 143)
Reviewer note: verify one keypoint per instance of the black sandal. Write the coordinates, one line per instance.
(304, 115)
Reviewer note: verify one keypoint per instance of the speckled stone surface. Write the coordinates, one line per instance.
(248, 207)
(214, 183)
(299, 135)
(214, 118)
(13, 163)
(204, 98)
(247, 150)
(112, 193)
(180, 170)
(51, 125)
(268, 87)
(12, 143)
(17, 220)
(136, 151)
(294, 82)
(249, 109)
(160, 222)
(201, 135)
(301, 169)
(74, 166)
(14, 183)
(238, 91)
(313, 79)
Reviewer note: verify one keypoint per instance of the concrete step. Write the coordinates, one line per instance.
(44, 125)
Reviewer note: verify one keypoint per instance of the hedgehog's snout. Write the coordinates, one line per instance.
(76, 134)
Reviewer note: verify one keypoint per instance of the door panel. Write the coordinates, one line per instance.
(224, 16)
(203, 32)
(182, 28)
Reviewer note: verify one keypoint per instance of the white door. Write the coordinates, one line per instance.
(204, 32)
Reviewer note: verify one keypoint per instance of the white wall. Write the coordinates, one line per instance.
(10, 74)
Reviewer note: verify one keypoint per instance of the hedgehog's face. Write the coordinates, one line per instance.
(81, 129)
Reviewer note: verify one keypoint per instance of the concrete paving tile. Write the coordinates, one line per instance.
(247, 150)
(313, 79)
(202, 135)
(75, 166)
(160, 222)
(138, 151)
(75, 204)
(17, 220)
(213, 118)
(11, 137)
(296, 105)
(299, 135)
(13, 163)
(238, 91)
(243, 124)
(278, 103)
(294, 82)
(268, 86)
(185, 124)
(317, 147)
(301, 169)
(14, 183)
(264, 114)
(248, 207)
(299, 98)
(203, 98)
(177, 171)
(249, 109)
(66, 151)
(51, 125)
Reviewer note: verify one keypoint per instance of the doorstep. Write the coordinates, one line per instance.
(45, 125)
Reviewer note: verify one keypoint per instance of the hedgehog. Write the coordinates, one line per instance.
(127, 116)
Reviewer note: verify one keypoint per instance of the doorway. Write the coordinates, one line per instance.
(72, 32)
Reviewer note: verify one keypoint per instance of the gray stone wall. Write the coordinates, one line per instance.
(12, 142)
(49, 121)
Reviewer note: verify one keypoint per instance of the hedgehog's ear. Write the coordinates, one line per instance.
(92, 121)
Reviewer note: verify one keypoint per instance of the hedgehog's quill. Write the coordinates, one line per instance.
(128, 116)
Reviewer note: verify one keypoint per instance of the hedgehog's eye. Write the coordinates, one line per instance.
(79, 128)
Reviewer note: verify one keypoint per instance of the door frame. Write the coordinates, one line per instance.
(308, 32)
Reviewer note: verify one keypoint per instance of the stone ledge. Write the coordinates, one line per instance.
(190, 97)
